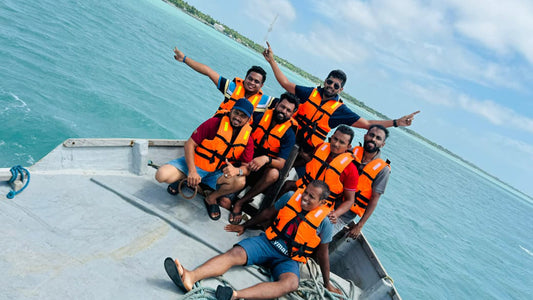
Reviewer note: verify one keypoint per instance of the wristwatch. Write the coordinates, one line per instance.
(240, 172)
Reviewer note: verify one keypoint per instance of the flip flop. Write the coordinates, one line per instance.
(232, 216)
(173, 188)
(224, 293)
(212, 209)
(174, 274)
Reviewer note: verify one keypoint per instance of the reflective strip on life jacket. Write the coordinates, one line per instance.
(366, 178)
(237, 94)
(302, 241)
(319, 169)
(211, 155)
(313, 118)
(269, 139)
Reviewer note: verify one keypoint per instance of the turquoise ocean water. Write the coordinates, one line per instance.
(105, 69)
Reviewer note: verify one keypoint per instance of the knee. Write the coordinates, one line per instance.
(272, 175)
(237, 255)
(239, 182)
(160, 175)
(290, 282)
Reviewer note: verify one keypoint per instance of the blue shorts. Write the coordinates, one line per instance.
(261, 252)
(208, 178)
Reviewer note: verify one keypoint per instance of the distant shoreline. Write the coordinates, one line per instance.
(231, 33)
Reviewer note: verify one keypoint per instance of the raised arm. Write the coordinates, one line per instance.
(280, 77)
(406, 120)
(197, 66)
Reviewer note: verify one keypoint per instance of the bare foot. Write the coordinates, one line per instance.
(184, 274)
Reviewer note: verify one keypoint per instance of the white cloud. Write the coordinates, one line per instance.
(322, 42)
(493, 112)
(500, 26)
(496, 113)
(419, 38)
(266, 11)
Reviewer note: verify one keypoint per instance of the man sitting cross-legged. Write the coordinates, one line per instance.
(209, 154)
(273, 140)
(300, 226)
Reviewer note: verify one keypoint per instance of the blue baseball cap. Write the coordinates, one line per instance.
(245, 106)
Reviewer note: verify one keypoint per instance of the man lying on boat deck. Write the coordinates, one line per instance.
(333, 163)
(278, 247)
(321, 109)
(210, 153)
(373, 177)
(249, 88)
(274, 138)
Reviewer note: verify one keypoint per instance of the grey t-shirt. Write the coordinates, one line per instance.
(378, 186)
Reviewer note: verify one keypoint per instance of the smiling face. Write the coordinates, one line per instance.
(374, 139)
(332, 87)
(253, 82)
(238, 118)
(311, 198)
(283, 111)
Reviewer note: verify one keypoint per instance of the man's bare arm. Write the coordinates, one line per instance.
(406, 120)
(197, 66)
(280, 77)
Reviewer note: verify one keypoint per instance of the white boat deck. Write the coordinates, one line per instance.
(94, 224)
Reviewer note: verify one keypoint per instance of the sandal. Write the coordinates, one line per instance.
(171, 266)
(211, 210)
(173, 188)
(235, 217)
(224, 293)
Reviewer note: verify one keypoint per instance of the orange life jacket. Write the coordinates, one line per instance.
(237, 94)
(313, 118)
(366, 178)
(302, 241)
(211, 155)
(318, 169)
(269, 139)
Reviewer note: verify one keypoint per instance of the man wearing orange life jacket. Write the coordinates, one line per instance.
(373, 177)
(333, 163)
(210, 153)
(249, 87)
(274, 138)
(299, 226)
(321, 109)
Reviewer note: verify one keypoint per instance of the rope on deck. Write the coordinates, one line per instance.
(17, 171)
(311, 289)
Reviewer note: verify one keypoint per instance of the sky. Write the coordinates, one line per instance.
(467, 65)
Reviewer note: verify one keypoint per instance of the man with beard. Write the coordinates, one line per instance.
(322, 109)
(249, 87)
(273, 138)
(210, 153)
(373, 177)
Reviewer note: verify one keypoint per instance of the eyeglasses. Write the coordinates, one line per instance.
(335, 85)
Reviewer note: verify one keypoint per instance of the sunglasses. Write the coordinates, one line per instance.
(335, 85)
